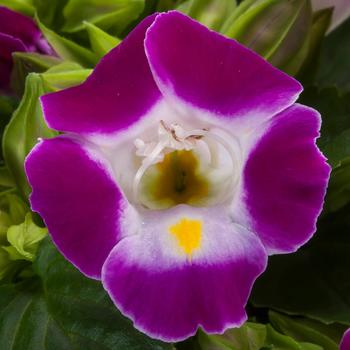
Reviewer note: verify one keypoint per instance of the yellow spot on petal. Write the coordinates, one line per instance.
(188, 233)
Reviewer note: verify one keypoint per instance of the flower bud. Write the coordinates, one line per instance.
(211, 13)
(278, 30)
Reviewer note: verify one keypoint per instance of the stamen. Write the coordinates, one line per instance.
(233, 155)
(146, 163)
(175, 137)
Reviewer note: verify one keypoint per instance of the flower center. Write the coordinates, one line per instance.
(175, 180)
(183, 167)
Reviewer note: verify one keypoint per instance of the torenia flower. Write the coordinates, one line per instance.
(17, 33)
(345, 342)
(184, 163)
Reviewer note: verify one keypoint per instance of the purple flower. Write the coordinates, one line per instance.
(17, 33)
(185, 162)
(345, 342)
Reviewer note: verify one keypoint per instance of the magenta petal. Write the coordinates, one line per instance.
(345, 342)
(168, 299)
(78, 201)
(8, 45)
(118, 93)
(285, 180)
(23, 28)
(213, 72)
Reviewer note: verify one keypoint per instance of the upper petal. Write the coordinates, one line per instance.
(77, 199)
(8, 45)
(169, 294)
(214, 73)
(285, 180)
(118, 93)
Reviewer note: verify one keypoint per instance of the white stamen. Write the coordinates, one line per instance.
(174, 137)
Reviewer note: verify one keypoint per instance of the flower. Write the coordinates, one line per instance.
(17, 33)
(184, 162)
(345, 342)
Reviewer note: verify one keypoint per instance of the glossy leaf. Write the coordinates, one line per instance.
(305, 330)
(338, 194)
(83, 309)
(250, 336)
(334, 68)
(334, 107)
(64, 310)
(278, 341)
(313, 282)
(25, 321)
(253, 336)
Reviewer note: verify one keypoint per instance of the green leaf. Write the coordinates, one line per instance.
(17, 209)
(334, 68)
(64, 310)
(23, 131)
(278, 341)
(6, 264)
(6, 179)
(212, 13)
(25, 321)
(306, 330)
(334, 142)
(58, 80)
(27, 62)
(250, 336)
(338, 194)
(23, 6)
(110, 15)
(253, 336)
(5, 223)
(276, 29)
(24, 239)
(101, 42)
(68, 49)
(165, 5)
(314, 281)
(51, 16)
(334, 107)
(82, 310)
